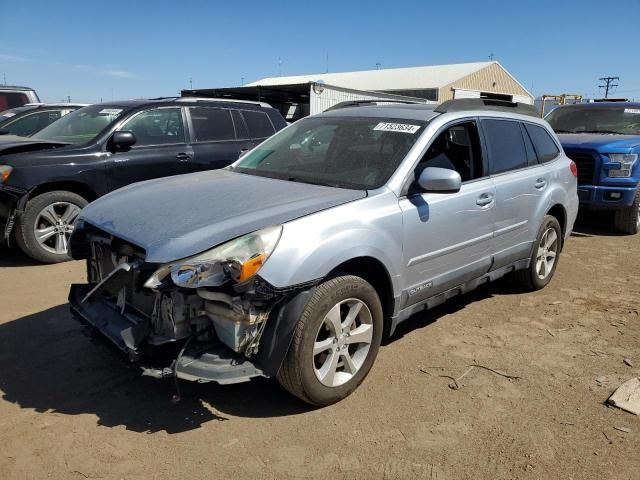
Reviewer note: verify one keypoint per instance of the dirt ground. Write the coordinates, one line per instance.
(70, 409)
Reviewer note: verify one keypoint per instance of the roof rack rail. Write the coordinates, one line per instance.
(221, 99)
(461, 104)
(357, 103)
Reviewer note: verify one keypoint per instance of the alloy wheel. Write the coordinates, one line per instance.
(547, 253)
(54, 225)
(342, 342)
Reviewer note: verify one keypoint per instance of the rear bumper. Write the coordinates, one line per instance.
(606, 198)
(202, 362)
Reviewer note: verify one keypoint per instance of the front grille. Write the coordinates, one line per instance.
(586, 163)
(103, 260)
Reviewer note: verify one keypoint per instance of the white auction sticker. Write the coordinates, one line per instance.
(110, 111)
(8, 114)
(397, 127)
(635, 111)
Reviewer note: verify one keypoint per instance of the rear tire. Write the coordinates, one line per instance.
(43, 229)
(627, 220)
(335, 341)
(544, 260)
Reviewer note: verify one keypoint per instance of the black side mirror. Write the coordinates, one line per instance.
(435, 179)
(121, 141)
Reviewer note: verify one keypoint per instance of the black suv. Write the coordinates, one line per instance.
(45, 180)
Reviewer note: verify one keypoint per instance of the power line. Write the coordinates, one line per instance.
(608, 84)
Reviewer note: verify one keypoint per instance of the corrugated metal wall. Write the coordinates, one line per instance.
(332, 95)
(492, 79)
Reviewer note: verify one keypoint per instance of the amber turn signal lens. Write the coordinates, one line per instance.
(5, 171)
(251, 267)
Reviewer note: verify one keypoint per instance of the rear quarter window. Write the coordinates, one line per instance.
(546, 148)
(259, 124)
(12, 100)
(505, 145)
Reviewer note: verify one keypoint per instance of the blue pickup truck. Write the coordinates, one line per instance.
(603, 139)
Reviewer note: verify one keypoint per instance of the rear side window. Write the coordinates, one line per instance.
(546, 148)
(505, 145)
(211, 124)
(259, 124)
(12, 100)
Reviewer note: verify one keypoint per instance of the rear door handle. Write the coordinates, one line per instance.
(485, 199)
(183, 157)
(540, 183)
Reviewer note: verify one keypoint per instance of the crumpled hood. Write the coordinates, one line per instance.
(14, 144)
(176, 217)
(604, 143)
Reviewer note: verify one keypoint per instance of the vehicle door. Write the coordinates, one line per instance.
(160, 149)
(218, 135)
(448, 237)
(520, 182)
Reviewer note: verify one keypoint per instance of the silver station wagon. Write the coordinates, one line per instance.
(297, 259)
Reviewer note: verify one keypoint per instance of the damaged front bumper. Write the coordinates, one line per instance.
(219, 342)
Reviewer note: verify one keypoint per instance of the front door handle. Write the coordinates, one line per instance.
(540, 183)
(183, 157)
(485, 199)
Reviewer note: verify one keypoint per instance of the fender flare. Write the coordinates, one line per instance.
(278, 332)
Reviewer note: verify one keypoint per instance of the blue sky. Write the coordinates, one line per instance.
(91, 49)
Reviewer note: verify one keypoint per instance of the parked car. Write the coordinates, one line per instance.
(12, 96)
(296, 259)
(46, 179)
(31, 118)
(604, 140)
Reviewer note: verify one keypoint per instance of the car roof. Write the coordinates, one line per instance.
(409, 111)
(424, 112)
(15, 88)
(140, 102)
(601, 104)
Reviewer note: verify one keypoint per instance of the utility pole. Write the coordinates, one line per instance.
(378, 65)
(190, 83)
(242, 81)
(5, 78)
(608, 84)
(327, 65)
(491, 55)
(280, 66)
(68, 98)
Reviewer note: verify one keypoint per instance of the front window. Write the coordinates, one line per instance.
(360, 153)
(618, 119)
(82, 125)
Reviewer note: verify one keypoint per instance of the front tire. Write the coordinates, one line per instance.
(627, 220)
(335, 341)
(43, 230)
(546, 253)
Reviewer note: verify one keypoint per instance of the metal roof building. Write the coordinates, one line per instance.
(302, 95)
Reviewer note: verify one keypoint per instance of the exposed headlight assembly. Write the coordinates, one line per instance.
(5, 171)
(239, 259)
(626, 161)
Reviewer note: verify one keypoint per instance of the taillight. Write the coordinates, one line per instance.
(574, 168)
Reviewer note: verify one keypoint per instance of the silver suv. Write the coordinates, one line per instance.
(297, 259)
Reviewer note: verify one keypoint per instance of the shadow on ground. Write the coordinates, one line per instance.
(595, 224)
(48, 363)
(13, 257)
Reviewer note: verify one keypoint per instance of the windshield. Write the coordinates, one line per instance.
(347, 152)
(621, 120)
(82, 125)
